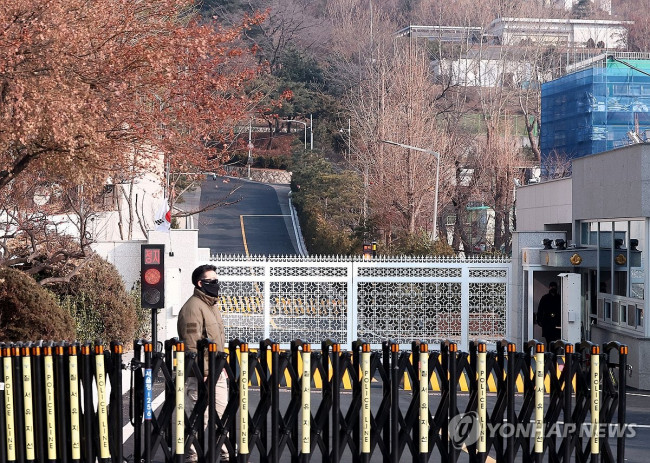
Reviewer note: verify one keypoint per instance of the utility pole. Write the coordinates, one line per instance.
(311, 132)
(250, 148)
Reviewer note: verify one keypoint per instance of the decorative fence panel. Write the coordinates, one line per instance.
(345, 298)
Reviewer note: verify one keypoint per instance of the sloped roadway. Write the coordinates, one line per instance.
(257, 222)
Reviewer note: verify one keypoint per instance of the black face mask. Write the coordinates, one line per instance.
(210, 287)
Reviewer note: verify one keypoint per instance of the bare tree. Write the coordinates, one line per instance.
(395, 102)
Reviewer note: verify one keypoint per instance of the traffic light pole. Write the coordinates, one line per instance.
(154, 329)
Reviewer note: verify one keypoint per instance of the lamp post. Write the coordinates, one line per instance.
(303, 123)
(435, 201)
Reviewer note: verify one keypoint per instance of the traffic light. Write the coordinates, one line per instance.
(152, 274)
(368, 252)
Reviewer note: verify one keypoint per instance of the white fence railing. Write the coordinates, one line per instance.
(344, 299)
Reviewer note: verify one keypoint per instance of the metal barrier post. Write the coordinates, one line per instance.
(394, 401)
(275, 401)
(168, 428)
(102, 408)
(538, 447)
(136, 401)
(622, 402)
(295, 426)
(50, 404)
(19, 409)
(148, 398)
(444, 392)
(567, 400)
(333, 384)
(326, 394)
(115, 403)
(453, 404)
(9, 409)
(244, 451)
(511, 382)
(355, 377)
(63, 402)
(305, 402)
(481, 367)
(38, 406)
(423, 393)
(387, 390)
(179, 401)
(213, 376)
(75, 402)
(365, 402)
(88, 453)
(28, 404)
(595, 403)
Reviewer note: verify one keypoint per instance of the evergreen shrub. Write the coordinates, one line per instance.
(99, 303)
(29, 312)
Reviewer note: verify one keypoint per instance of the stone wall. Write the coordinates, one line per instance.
(282, 177)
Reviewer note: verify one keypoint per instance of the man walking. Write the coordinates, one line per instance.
(199, 319)
(549, 315)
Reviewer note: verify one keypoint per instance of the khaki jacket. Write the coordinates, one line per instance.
(200, 318)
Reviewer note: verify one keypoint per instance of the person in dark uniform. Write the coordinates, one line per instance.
(549, 315)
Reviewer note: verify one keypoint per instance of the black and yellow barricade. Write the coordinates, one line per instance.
(136, 397)
(350, 422)
(299, 417)
(559, 362)
(240, 371)
(329, 368)
(614, 382)
(565, 404)
(586, 411)
(44, 419)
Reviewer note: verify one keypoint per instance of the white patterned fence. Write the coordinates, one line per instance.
(344, 299)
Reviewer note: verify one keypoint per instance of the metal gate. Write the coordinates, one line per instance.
(347, 298)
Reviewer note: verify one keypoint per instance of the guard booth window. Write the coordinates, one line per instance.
(620, 258)
(619, 277)
(605, 243)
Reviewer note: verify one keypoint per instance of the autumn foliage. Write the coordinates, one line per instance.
(82, 82)
(99, 91)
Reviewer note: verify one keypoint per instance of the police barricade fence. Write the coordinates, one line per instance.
(288, 405)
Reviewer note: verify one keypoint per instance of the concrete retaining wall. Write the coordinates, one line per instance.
(261, 175)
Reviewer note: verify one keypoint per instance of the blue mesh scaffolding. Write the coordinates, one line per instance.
(592, 110)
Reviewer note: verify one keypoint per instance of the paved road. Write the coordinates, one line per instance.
(259, 221)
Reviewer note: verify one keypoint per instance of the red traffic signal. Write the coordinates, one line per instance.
(369, 250)
(152, 271)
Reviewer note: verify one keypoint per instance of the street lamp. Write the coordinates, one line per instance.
(435, 201)
(303, 123)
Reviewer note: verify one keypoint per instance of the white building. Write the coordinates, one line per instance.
(488, 66)
(562, 32)
(603, 5)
